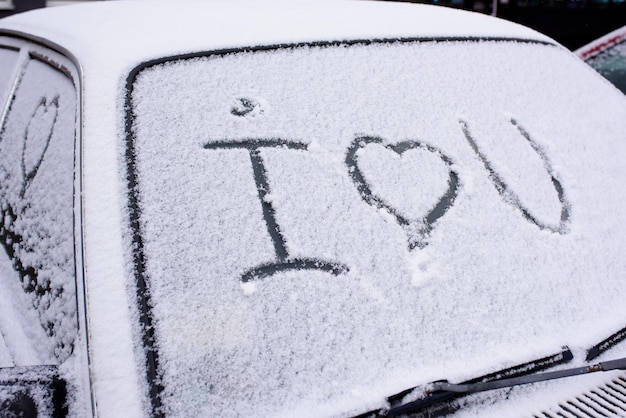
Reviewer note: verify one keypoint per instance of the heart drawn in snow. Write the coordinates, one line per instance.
(412, 181)
(37, 138)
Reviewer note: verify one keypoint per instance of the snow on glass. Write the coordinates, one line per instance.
(36, 227)
(327, 225)
(8, 59)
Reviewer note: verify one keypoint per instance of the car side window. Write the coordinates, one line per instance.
(8, 61)
(38, 293)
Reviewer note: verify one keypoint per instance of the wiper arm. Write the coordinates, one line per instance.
(441, 391)
(397, 404)
(606, 344)
(605, 366)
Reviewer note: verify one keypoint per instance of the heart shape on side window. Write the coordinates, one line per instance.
(412, 181)
(37, 138)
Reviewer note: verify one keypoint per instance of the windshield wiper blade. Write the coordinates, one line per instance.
(398, 401)
(606, 344)
(605, 366)
(441, 391)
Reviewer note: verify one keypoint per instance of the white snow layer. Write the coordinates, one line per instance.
(527, 255)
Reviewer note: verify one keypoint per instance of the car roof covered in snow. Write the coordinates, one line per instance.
(112, 32)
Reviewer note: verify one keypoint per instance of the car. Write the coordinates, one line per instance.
(607, 55)
(306, 209)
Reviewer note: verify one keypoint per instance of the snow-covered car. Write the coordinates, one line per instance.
(607, 55)
(305, 209)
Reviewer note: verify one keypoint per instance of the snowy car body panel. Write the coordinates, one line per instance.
(260, 156)
(607, 55)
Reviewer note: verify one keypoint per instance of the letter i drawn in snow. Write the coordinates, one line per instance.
(283, 261)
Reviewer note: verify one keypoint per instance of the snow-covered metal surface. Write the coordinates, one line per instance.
(122, 33)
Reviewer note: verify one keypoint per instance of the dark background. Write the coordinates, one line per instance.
(573, 23)
(22, 6)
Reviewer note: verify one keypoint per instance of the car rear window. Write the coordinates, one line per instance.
(319, 226)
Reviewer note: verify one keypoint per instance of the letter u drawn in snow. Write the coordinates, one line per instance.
(506, 191)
